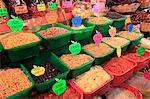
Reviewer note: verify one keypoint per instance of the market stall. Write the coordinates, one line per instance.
(90, 49)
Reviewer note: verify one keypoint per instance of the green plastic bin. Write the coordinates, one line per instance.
(22, 52)
(25, 93)
(101, 59)
(42, 59)
(123, 47)
(119, 23)
(134, 42)
(103, 28)
(55, 41)
(81, 34)
(73, 72)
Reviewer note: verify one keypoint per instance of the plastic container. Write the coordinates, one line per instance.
(123, 47)
(134, 42)
(119, 23)
(132, 89)
(120, 78)
(84, 33)
(98, 91)
(100, 59)
(103, 28)
(22, 52)
(140, 64)
(42, 59)
(25, 93)
(55, 41)
(73, 72)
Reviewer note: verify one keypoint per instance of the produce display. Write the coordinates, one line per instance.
(99, 20)
(120, 93)
(71, 49)
(114, 15)
(50, 72)
(68, 94)
(118, 65)
(12, 81)
(74, 61)
(128, 35)
(115, 41)
(136, 57)
(53, 31)
(97, 50)
(92, 79)
(18, 39)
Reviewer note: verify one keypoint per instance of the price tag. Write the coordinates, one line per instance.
(59, 87)
(130, 27)
(51, 17)
(141, 50)
(41, 7)
(96, 8)
(119, 51)
(75, 48)
(21, 9)
(147, 75)
(15, 24)
(52, 6)
(97, 37)
(3, 12)
(67, 4)
(112, 31)
(76, 21)
(37, 70)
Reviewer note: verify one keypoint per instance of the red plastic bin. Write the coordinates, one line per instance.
(142, 63)
(129, 87)
(120, 78)
(98, 91)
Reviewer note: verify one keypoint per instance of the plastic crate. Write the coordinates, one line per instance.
(103, 28)
(140, 64)
(98, 91)
(55, 41)
(76, 89)
(84, 33)
(25, 93)
(73, 72)
(100, 59)
(119, 23)
(134, 42)
(123, 47)
(22, 52)
(42, 59)
(120, 78)
(132, 89)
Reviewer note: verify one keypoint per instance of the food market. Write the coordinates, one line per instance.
(74, 49)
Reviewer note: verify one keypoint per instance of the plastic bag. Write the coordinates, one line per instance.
(140, 83)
